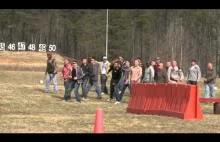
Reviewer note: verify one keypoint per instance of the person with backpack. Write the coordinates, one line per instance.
(194, 73)
(209, 81)
(51, 73)
(175, 73)
(67, 68)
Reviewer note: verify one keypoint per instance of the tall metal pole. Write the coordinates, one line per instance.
(106, 36)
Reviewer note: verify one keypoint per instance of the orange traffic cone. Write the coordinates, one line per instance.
(99, 127)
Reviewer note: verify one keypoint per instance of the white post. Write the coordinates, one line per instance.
(106, 36)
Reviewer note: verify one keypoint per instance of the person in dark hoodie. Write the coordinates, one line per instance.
(87, 70)
(156, 67)
(161, 74)
(114, 85)
(93, 80)
(194, 73)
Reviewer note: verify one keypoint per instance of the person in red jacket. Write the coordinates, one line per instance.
(64, 75)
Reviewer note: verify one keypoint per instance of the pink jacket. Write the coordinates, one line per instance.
(65, 71)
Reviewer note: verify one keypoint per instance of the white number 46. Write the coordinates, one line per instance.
(52, 48)
(11, 46)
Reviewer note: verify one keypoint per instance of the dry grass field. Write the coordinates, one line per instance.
(25, 108)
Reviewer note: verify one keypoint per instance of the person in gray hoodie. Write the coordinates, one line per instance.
(94, 80)
(149, 73)
(194, 73)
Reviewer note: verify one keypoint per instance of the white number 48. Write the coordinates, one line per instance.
(52, 48)
(11, 46)
(31, 47)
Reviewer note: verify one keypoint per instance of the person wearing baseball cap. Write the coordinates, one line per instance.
(103, 79)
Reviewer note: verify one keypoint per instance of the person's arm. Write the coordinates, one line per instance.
(152, 73)
(198, 73)
(140, 74)
(70, 74)
(181, 75)
(55, 65)
(168, 74)
(46, 70)
(110, 69)
(211, 77)
(129, 77)
(81, 74)
(188, 74)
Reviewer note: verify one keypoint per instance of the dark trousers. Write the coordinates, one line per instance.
(103, 83)
(89, 86)
(84, 85)
(114, 90)
(192, 82)
(123, 90)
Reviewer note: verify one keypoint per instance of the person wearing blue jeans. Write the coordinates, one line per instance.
(76, 76)
(93, 80)
(51, 73)
(210, 81)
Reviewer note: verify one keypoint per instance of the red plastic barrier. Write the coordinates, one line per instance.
(136, 104)
(174, 100)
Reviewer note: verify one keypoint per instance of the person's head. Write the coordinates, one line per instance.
(193, 62)
(66, 61)
(127, 64)
(210, 66)
(136, 62)
(139, 58)
(49, 55)
(153, 63)
(116, 64)
(84, 61)
(148, 63)
(174, 63)
(92, 61)
(104, 59)
(168, 64)
(161, 65)
(120, 58)
(157, 60)
(74, 64)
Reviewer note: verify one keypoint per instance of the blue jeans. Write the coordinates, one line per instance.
(50, 77)
(123, 90)
(97, 88)
(74, 85)
(209, 89)
(67, 95)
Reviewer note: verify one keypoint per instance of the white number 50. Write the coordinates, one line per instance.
(52, 48)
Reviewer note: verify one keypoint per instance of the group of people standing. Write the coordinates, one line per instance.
(123, 76)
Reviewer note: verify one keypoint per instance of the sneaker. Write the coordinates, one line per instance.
(78, 101)
(99, 98)
(117, 102)
(119, 92)
(109, 100)
(83, 99)
(102, 93)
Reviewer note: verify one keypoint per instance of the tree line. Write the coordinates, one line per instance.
(180, 35)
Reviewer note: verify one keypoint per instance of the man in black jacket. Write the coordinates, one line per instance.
(114, 85)
(87, 70)
(93, 80)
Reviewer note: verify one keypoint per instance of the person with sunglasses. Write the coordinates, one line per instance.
(76, 76)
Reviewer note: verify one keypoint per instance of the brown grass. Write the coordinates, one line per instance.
(24, 108)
